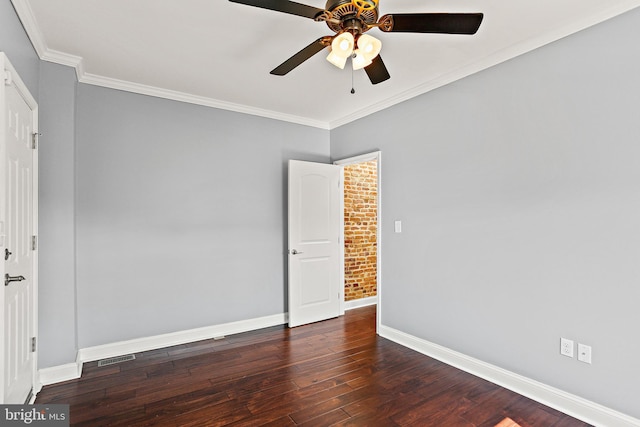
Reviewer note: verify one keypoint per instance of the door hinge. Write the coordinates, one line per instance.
(34, 140)
(8, 79)
(33, 344)
(34, 243)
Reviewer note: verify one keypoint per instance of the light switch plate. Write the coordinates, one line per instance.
(398, 226)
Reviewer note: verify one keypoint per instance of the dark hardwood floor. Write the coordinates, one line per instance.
(332, 373)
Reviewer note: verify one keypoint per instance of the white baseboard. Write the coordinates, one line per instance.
(60, 373)
(362, 302)
(74, 370)
(575, 406)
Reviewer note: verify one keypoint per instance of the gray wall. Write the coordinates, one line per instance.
(519, 192)
(176, 212)
(57, 305)
(15, 43)
(518, 189)
(54, 88)
(180, 214)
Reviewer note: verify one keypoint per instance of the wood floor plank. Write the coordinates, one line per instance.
(332, 373)
(325, 419)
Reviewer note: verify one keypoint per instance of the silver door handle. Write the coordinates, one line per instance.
(294, 252)
(8, 279)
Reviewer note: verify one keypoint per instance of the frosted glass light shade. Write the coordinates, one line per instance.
(369, 46)
(342, 44)
(337, 60)
(359, 61)
(341, 49)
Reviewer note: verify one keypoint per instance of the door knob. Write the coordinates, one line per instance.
(294, 252)
(8, 279)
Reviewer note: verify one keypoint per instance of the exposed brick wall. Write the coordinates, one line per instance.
(360, 228)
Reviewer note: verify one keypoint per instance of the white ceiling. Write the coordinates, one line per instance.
(217, 53)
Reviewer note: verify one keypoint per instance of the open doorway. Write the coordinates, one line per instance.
(361, 234)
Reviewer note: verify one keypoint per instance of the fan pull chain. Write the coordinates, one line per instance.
(353, 90)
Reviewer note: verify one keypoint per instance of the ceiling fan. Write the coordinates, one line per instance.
(351, 19)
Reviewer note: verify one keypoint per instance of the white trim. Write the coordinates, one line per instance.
(29, 22)
(5, 65)
(133, 87)
(56, 374)
(358, 159)
(72, 371)
(361, 302)
(375, 155)
(62, 58)
(491, 60)
(341, 240)
(36, 252)
(575, 406)
(121, 348)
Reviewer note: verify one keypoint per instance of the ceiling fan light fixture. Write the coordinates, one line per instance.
(359, 60)
(369, 46)
(350, 19)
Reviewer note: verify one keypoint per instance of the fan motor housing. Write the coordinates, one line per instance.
(346, 11)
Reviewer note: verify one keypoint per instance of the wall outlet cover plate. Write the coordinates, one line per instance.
(566, 347)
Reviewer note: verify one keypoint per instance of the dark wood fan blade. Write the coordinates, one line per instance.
(283, 6)
(445, 23)
(301, 56)
(377, 71)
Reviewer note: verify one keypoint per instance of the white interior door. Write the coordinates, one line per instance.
(314, 242)
(17, 230)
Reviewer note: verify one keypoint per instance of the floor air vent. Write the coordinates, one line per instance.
(114, 360)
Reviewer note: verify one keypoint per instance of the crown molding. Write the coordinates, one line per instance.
(62, 58)
(491, 60)
(25, 13)
(27, 17)
(128, 86)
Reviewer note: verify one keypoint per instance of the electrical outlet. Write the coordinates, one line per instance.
(584, 353)
(566, 347)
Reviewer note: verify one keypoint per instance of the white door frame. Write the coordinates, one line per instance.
(376, 155)
(9, 76)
